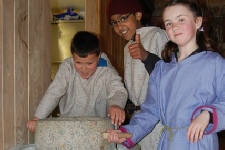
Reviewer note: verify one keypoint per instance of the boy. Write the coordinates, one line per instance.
(85, 85)
(141, 53)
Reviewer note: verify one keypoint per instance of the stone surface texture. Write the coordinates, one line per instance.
(78, 133)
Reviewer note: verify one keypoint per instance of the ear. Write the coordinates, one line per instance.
(138, 15)
(198, 22)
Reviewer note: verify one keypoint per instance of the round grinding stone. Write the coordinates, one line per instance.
(78, 133)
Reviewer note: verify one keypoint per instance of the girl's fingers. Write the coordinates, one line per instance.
(191, 134)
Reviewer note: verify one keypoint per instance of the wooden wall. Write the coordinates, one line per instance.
(25, 63)
(25, 60)
(25, 66)
(92, 15)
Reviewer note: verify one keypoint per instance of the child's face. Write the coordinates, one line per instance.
(126, 25)
(85, 66)
(181, 25)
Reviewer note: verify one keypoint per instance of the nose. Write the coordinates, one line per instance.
(83, 67)
(119, 25)
(175, 26)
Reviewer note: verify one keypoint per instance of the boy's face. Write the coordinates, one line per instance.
(85, 66)
(125, 25)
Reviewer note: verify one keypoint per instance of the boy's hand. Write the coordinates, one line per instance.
(31, 124)
(196, 129)
(117, 114)
(113, 136)
(136, 49)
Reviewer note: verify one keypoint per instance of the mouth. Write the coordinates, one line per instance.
(178, 34)
(123, 32)
(84, 73)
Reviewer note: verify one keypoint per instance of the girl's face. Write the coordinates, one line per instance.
(124, 25)
(181, 25)
(85, 66)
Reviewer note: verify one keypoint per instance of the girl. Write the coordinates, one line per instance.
(141, 52)
(186, 89)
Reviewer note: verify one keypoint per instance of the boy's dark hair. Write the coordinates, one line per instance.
(85, 43)
(203, 42)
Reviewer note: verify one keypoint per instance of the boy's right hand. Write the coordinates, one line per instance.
(117, 114)
(31, 124)
(136, 49)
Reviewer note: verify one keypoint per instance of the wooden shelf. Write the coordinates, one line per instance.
(57, 62)
(67, 21)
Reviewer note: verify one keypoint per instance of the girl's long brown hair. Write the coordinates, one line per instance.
(203, 42)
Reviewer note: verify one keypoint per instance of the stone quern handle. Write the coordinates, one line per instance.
(120, 135)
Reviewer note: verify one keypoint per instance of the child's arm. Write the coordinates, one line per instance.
(215, 106)
(198, 125)
(31, 124)
(117, 97)
(150, 62)
(137, 51)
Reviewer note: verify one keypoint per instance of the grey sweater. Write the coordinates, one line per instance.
(82, 97)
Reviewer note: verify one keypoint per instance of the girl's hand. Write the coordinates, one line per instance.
(117, 115)
(113, 136)
(196, 129)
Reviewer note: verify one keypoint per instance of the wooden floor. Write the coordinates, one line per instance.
(221, 136)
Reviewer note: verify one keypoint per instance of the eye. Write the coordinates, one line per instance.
(113, 23)
(77, 63)
(181, 20)
(123, 18)
(167, 24)
(89, 63)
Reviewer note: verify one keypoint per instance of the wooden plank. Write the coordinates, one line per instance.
(36, 38)
(118, 44)
(1, 81)
(46, 32)
(21, 71)
(92, 18)
(8, 75)
(111, 43)
(213, 3)
(105, 34)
